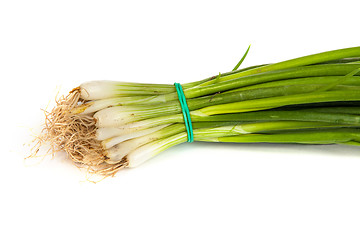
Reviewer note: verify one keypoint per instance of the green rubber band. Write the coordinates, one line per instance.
(185, 111)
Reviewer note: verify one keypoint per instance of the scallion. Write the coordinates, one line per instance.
(108, 125)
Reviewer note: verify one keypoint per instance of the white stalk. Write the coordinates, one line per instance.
(140, 154)
(97, 105)
(131, 127)
(97, 90)
(112, 141)
(137, 124)
(110, 132)
(115, 116)
(94, 90)
(147, 151)
(117, 152)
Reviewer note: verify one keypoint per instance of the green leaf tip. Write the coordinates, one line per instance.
(242, 59)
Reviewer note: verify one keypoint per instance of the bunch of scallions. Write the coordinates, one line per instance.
(108, 125)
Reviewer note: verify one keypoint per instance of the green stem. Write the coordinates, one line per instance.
(144, 112)
(352, 81)
(302, 61)
(268, 103)
(273, 115)
(306, 137)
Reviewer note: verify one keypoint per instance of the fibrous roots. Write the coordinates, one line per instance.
(76, 135)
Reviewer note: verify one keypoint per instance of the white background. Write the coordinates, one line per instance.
(192, 191)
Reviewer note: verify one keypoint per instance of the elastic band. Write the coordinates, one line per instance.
(185, 111)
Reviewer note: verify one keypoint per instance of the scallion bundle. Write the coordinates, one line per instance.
(108, 125)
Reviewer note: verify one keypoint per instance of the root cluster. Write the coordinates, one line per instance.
(76, 135)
